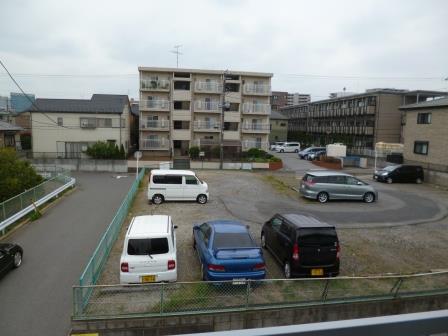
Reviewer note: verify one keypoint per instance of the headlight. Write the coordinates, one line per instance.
(384, 174)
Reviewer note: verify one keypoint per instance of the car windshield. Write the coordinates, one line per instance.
(147, 246)
(389, 168)
(232, 239)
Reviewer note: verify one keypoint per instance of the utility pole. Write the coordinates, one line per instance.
(223, 108)
(177, 52)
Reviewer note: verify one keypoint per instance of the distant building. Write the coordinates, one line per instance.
(358, 120)
(182, 108)
(9, 135)
(279, 127)
(66, 127)
(135, 117)
(281, 99)
(21, 102)
(425, 134)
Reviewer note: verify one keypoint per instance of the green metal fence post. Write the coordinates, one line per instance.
(21, 201)
(4, 212)
(396, 287)
(161, 299)
(34, 194)
(325, 291)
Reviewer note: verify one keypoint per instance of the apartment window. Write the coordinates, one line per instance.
(424, 118)
(208, 137)
(60, 121)
(421, 147)
(87, 122)
(181, 105)
(185, 86)
(104, 122)
(283, 124)
(230, 126)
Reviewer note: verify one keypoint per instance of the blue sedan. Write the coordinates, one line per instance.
(227, 251)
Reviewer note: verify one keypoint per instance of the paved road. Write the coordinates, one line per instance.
(36, 299)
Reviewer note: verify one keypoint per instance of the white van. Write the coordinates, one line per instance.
(176, 185)
(149, 251)
(289, 147)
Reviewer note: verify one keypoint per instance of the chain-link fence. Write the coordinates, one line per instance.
(17, 203)
(93, 269)
(198, 297)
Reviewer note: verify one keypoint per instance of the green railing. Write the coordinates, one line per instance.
(94, 267)
(163, 299)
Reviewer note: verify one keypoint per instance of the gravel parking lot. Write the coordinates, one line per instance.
(252, 197)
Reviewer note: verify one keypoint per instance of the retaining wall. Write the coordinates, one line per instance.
(117, 166)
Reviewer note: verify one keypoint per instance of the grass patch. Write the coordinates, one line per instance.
(277, 184)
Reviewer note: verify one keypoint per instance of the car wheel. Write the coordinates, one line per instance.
(296, 151)
(263, 240)
(418, 180)
(157, 199)
(369, 197)
(322, 197)
(202, 199)
(287, 270)
(389, 180)
(282, 150)
(17, 259)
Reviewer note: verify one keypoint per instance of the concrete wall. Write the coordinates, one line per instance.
(117, 166)
(388, 118)
(258, 319)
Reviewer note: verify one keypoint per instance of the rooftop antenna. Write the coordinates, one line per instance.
(177, 52)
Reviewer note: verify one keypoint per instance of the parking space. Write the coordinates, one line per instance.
(370, 243)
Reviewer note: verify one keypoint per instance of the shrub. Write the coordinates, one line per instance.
(194, 152)
(216, 151)
(105, 150)
(275, 159)
(254, 152)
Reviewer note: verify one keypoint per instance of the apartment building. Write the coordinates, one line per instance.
(425, 136)
(358, 120)
(66, 127)
(182, 108)
(281, 99)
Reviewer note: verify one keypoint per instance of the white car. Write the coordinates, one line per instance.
(149, 251)
(289, 147)
(275, 145)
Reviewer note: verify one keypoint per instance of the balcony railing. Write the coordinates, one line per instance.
(205, 142)
(209, 106)
(259, 89)
(207, 125)
(257, 127)
(148, 144)
(149, 84)
(247, 144)
(256, 108)
(154, 124)
(160, 104)
(213, 87)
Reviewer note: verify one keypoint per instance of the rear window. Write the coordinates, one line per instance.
(315, 179)
(147, 246)
(228, 240)
(317, 236)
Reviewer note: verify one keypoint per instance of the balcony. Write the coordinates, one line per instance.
(155, 105)
(256, 128)
(251, 108)
(208, 87)
(248, 144)
(206, 126)
(206, 106)
(205, 142)
(257, 89)
(154, 85)
(154, 125)
(155, 144)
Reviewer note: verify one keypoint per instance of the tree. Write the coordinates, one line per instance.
(16, 175)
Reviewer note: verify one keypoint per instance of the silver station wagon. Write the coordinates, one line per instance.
(328, 185)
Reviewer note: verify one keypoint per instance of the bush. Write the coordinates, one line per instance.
(25, 141)
(16, 175)
(105, 150)
(254, 152)
(194, 152)
(275, 159)
(216, 151)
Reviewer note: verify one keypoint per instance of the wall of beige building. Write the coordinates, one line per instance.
(388, 119)
(46, 134)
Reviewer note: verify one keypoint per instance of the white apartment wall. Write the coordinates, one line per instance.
(45, 133)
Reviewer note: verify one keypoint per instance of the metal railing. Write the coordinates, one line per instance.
(150, 84)
(257, 127)
(154, 144)
(159, 104)
(262, 89)
(202, 105)
(251, 108)
(248, 144)
(18, 206)
(207, 125)
(147, 123)
(163, 299)
(205, 142)
(95, 265)
(212, 86)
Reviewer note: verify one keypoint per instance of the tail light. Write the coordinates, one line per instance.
(338, 250)
(295, 252)
(309, 183)
(216, 268)
(171, 264)
(259, 267)
(124, 267)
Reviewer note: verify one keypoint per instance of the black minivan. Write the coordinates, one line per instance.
(399, 173)
(303, 245)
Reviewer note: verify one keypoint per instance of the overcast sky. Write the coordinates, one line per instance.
(314, 47)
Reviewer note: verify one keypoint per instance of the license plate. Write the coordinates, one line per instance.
(148, 278)
(317, 271)
(238, 281)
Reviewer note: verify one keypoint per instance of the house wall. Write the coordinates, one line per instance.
(388, 119)
(46, 133)
(278, 132)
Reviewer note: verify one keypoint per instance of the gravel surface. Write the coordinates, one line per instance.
(253, 197)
